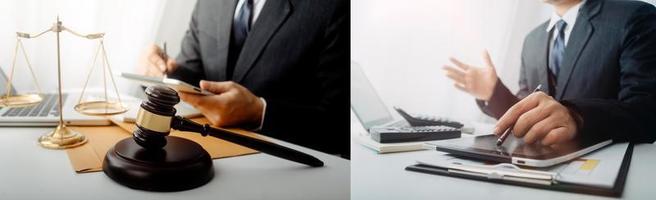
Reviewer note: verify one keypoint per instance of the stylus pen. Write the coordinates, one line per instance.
(505, 134)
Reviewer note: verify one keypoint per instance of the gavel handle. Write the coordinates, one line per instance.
(184, 124)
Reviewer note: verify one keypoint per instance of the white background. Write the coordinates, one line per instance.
(402, 46)
(129, 26)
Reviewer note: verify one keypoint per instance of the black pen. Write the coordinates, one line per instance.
(165, 56)
(505, 134)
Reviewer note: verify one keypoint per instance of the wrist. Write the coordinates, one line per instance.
(575, 114)
(489, 92)
(260, 111)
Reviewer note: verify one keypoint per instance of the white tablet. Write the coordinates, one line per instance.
(515, 151)
(175, 84)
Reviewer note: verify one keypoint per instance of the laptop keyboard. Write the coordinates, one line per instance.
(47, 107)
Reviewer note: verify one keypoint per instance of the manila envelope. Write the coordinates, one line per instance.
(89, 157)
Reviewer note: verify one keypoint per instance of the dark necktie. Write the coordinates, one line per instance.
(558, 50)
(241, 25)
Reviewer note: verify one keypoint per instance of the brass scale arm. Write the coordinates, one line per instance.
(62, 137)
(58, 27)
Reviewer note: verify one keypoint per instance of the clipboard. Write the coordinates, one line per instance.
(506, 173)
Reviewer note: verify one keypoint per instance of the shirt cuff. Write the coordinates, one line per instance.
(264, 105)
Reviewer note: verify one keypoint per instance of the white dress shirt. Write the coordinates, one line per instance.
(257, 8)
(569, 17)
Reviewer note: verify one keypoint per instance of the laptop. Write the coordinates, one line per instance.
(46, 113)
(367, 105)
(383, 128)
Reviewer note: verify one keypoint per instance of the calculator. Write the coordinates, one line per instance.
(392, 134)
(426, 120)
(419, 128)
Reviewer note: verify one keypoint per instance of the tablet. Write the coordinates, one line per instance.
(175, 84)
(515, 151)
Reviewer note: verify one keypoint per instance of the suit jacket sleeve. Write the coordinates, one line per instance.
(190, 65)
(632, 116)
(502, 99)
(322, 121)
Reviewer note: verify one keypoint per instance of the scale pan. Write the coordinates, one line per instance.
(23, 100)
(100, 108)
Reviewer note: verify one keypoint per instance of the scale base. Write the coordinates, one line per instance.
(62, 138)
(180, 165)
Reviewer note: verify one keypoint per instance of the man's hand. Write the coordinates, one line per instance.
(539, 117)
(477, 81)
(152, 62)
(233, 105)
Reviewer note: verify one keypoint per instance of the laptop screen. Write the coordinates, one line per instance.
(3, 83)
(366, 104)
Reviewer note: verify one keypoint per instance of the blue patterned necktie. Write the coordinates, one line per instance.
(558, 50)
(241, 25)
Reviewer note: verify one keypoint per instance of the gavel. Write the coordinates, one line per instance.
(157, 117)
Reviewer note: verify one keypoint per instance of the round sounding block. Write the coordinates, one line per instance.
(180, 165)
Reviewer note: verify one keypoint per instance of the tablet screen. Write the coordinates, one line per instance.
(517, 147)
(512, 147)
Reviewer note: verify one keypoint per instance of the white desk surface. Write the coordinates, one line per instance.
(28, 171)
(383, 176)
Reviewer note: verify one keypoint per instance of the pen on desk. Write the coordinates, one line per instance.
(507, 132)
(165, 57)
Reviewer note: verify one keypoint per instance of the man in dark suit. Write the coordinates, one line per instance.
(279, 67)
(596, 61)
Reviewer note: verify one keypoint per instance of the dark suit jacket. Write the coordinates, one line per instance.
(608, 74)
(296, 57)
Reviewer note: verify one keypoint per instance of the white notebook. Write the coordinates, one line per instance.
(597, 169)
(366, 141)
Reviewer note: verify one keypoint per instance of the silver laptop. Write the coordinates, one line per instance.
(367, 106)
(45, 113)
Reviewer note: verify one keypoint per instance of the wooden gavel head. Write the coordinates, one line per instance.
(152, 160)
(155, 116)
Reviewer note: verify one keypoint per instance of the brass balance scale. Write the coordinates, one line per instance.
(63, 137)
